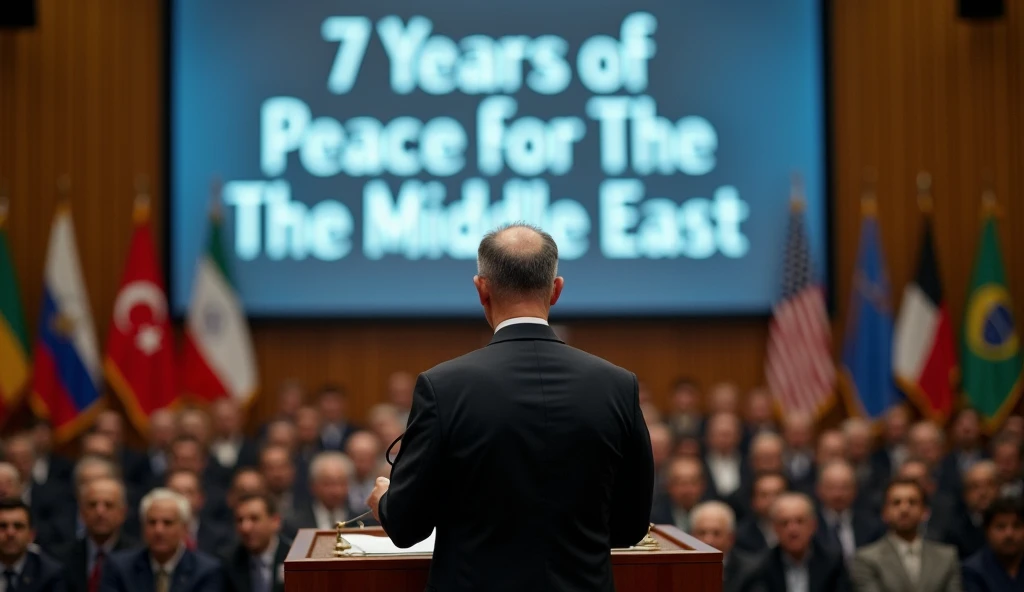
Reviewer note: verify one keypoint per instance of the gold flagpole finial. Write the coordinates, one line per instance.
(141, 211)
(924, 192)
(868, 198)
(216, 198)
(797, 201)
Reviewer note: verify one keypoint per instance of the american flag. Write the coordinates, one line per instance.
(799, 367)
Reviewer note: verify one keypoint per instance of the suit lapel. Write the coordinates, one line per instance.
(182, 577)
(930, 567)
(891, 556)
(29, 579)
(282, 552)
(143, 573)
(79, 566)
(243, 570)
(525, 331)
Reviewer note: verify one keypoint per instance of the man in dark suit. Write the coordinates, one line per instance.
(714, 524)
(210, 528)
(134, 465)
(164, 564)
(230, 447)
(755, 534)
(256, 563)
(529, 457)
(329, 476)
(999, 565)
(335, 429)
(966, 528)
(102, 505)
(685, 487)
(887, 460)
(799, 563)
(53, 516)
(944, 509)
(22, 570)
(49, 467)
(841, 525)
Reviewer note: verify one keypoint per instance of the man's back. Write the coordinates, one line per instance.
(532, 458)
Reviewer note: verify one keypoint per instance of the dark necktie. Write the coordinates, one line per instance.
(9, 577)
(97, 571)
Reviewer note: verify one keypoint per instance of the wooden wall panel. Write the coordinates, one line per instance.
(913, 88)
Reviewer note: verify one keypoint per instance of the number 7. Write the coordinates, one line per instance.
(354, 34)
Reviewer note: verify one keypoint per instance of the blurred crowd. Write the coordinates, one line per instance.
(904, 505)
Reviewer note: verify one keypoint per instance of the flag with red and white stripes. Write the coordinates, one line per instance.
(799, 367)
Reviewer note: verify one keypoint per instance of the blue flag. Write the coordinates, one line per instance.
(867, 377)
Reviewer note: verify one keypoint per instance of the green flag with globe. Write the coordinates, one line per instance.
(991, 356)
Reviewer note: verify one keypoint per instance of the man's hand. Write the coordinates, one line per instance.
(379, 489)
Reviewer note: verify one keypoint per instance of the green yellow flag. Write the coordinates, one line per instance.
(991, 356)
(14, 357)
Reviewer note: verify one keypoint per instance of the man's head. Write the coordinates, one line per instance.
(685, 482)
(714, 523)
(307, 424)
(897, 419)
(227, 418)
(332, 401)
(282, 432)
(103, 505)
(20, 451)
(1015, 426)
(42, 433)
(91, 468)
(187, 484)
(290, 396)
(10, 481)
(981, 486)
(329, 474)
(685, 396)
(837, 486)
(661, 444)
(760, 408)
(97, 443)
(831, 448)
(927, 443)
(162, 429)
(16, 531)
(798, 431)
(724, 433)
(517, 269)
(794, 522)
(1006, 453)
(257, 522)
(187, 454)
(766, 453)
(906, 507)
(1004, 527)
(917, 470)
(724, 397)
(967, 429)
(858, 439)
(364, 450)
(766, 489)
(245, 482)
(110, 423)
(400, 387)
(278, 469)
(195, 424)
(165, 517)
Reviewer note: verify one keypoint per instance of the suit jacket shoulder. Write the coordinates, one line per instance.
(41, 574)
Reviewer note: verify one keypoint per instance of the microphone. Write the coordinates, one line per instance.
(387, 454)
(357, 520)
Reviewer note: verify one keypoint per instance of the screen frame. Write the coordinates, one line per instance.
(825, 10)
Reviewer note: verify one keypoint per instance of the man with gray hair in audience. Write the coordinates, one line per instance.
(714, 523)
(329, 477)
(164, 564)
(10, 481)
(364, 449)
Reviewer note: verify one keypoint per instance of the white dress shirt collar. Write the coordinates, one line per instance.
(267, 556)
(41, 470)
(18, 567)
(519, 321)
(171, 564)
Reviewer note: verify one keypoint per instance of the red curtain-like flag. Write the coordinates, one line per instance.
(140, 354)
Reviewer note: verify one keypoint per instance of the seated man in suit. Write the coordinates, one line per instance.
(798, 433)
(134, 464)
(10, 481)
(966, 530)
(49, 467)
(686, 488)
(164, 564)
(944, 508)
(365, 451)
(723, 459)
(230, 447)
(52, 516)
(903, 559)
(798, 563)
(335, 429)
(1006, 454)
(21, 569)
(102, 504)
(246, 482)
(842, 526)
(278, 469)
(163, 429)
(890, 457)
(685, 417)
(755, 533)
(190, 454)
(999, 565)
(209, 530)
(329, 475)
(859, 438)
(256, 563)
(714, 523)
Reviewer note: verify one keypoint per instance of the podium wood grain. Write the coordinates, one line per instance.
(682, 563)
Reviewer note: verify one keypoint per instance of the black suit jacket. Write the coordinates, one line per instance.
(130, 571)
(237, 570)
(867, 528)
(53, 513)
(736, 569)
(529, 449)
(749, 536)
(827, 572)
(40, 574)
(74, 557)
(982, 573)
(213, 537)
(967, 537)
(303, 517)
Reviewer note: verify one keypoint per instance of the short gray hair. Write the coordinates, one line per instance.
(10, 471)
(112, 470)
(715, 507)
(162, 494)
(321, 461)
(517, 272)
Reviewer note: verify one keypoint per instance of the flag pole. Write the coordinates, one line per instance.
(925, 202)
(141, 206)
(796, 192)
(868, 198)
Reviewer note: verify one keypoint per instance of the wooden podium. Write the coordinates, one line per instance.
(680, 563)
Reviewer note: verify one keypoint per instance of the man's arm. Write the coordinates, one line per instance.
(633, 491)
(407, 509)
(863, 575)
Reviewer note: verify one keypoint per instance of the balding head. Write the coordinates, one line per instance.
(517, 264)
(714, 523)
(837, 486)
(981, 485)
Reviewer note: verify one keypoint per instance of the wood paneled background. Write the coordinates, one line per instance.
(913, 88)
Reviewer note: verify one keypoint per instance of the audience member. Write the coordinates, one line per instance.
(207, 530)
(831, 448)
(927, 443)
(798, 563)
(329, 477)
(21, 567)
(1006, 453)
(893, 453)
(842, 526)
(335, 428)
(723, 459)
(278, 470)
(661, 450)
(767, 453)
(256, 562)
(10, 481)
(400, 388)
(966, 528)
(685, 417)
(651, 413)
(161, 433)
(49, 467)
(190, 454)
(133, 464)
(246, 482)
(686, 487)
(966, 442)
(164, 563)
(365, 451)
(194, 423)
(760, 414)
(724, 397)
(96, 443)
(1014, 426)
(102, 505)
(943, 508)
(52, 516)
(230, 447)
(999, 566)
(798, 433)
(714, 524)
(756, 533)
(281, 432)
(859, 441)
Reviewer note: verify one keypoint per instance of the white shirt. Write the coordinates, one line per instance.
(768, 531)
(725, 471)
(910, 556)
(169, 566)
(92, 549)
(18, 567)
(41, 470)
(266, 563)
(845, 523)
(226, 451)
(798, 575)
(326, 519)
(520, 320)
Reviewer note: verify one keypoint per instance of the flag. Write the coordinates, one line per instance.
(924, 358)
(991, 356)
(140, 355)
(66, 381)
(14, 356)
(799, 367)
(218, 358)
(866, 371)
